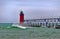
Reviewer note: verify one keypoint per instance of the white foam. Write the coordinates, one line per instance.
(8, 27)
(20, 26)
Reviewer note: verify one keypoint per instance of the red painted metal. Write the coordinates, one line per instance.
(21, 17)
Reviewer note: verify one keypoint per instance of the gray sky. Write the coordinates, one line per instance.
(33, 9)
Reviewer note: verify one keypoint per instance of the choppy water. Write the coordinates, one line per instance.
(31, 33)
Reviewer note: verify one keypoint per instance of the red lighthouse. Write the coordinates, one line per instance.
(21, 17)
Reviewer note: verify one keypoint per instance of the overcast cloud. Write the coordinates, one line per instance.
(33, 9)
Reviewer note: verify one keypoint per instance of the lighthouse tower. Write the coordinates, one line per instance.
(21, 17)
